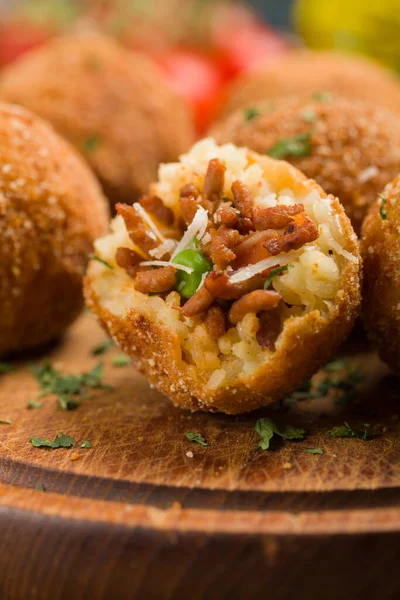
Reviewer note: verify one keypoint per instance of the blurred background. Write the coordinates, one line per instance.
(202, 45)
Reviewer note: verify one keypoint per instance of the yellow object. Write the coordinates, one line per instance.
(370, 27)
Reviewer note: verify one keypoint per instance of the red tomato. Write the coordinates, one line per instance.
(196, 77)
(18, 38)
(242, 46)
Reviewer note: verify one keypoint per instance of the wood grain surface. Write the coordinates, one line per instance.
(147, 514)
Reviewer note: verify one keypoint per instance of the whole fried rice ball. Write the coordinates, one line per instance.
(51, 211)
(110, 103)
(380, 247)
(352, 149)
(232, 281)
(307, 72)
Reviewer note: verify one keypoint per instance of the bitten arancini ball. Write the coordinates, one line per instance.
(351, 148)
(380, 247)
(51, 211)
(231, 282)
(306, 72)
(110, 103)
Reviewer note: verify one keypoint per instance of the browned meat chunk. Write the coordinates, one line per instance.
(270, 327)
(214, 321)
(198, 303)
(255, 302)
(275, 217)
(155, 206)
(155, 280)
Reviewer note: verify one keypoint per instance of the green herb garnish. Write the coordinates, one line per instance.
(121, 360)
(66, 403)
(298, 146)
(273, 274)
(34, 404)
(92, 143)
(196, 438)
(266, 429)
(308, 116)
(40, 488)
(251, 113)
(68, 388)
(102, 348)
(346, 431)
(6, 367)
(322, 96)
(5, 422)
(382, 209)
(315, 450)
(60, 441)
(100, 260)
(86, 444)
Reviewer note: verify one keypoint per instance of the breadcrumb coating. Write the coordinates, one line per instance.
(306, 72)
(380, 247)
(351, 148)
(51, 211)
(110, 103)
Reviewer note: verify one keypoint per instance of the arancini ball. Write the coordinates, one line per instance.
(380, 247)
(231, 283)
(307, 72)
(51, 211)
(351, 148)
(110, 103)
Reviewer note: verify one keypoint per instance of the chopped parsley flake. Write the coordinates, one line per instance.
(298, 146)
(308, 116)
(382, 209)
(196, 438)
(315, 450)
(100, 260)
(338, 375)
(251, 113)
(86, 444)
(322, 96)
(40, 488)
(66, 403)
(102, 348)
(266, 429)
(6, 367)
(273, 274)
(5, 422)
(92, 143)
(345, 431)
(60, 441)
(34, 404)
(121, 360)
(68, 388)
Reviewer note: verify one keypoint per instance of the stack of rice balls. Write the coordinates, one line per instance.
(232, 270)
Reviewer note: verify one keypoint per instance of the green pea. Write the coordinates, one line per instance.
(187, 284)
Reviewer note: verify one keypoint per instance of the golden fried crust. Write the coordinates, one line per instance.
(110, 103)
(307, 343)
(305, 72)
(51, 211)
(355, 146)
(380, 247)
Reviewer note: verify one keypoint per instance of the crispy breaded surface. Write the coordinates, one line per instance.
(355, 146)
(306, 71)
(110, 103)
(144, 328)
(380, 247)
(51, 211)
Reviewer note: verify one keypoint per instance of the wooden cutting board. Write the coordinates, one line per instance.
(147, 514)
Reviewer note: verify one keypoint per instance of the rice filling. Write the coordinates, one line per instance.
(227, 255)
